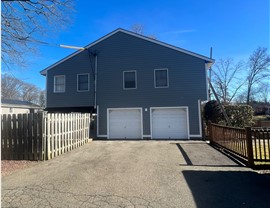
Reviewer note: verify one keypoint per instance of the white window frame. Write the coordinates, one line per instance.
(54, 88)
(88, 82)
(135, 80)
(167, 77)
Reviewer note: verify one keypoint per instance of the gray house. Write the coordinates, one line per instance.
(137, 86)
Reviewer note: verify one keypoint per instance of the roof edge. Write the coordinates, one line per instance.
(208, 60)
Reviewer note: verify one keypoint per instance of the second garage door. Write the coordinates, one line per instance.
(169, 123)
(124, 124)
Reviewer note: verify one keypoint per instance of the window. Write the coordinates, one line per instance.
(130, 80)
(59, 83)
(161, 78)
(82, 82)
(10, 110)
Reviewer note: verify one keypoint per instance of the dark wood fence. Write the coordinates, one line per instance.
(21, 137)
(264, 124)
(252, 145)
(233, 139)
(41, 136)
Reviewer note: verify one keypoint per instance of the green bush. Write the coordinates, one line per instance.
(212, 112)
(239, 115)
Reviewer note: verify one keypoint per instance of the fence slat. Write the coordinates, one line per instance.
(20, 136)
(48, 136)
(14, 137)
(40, 143)
(35, 136)
(4, 137)
(249, 147)
(10, 147)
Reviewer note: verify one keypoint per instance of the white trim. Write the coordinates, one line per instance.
(108, 117)
(173, 107)
(88, 82)
(195, 135)
(102, 135)
(43, 72)
(188, 122)
(98, 121)
(54, 83)
(146, 135)
(135, 80)
(167, 77)
(200, 117)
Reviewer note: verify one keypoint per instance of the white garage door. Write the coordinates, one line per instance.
(169, 123)
(125, 124)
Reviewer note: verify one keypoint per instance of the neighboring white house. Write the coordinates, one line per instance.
(18, 106)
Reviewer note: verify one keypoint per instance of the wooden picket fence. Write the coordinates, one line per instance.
(251, 145)
(42, 136)
(64, 132)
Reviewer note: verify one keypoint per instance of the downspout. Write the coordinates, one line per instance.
(95, 89)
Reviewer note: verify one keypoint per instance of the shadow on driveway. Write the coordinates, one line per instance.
(216, 181)
(204, 161)
(228, 188)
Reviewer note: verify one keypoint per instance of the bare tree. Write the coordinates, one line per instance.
(15, 89)
(258, 70)
(30, 93)
(25, 22)
(264, 91)
(42, 99)
(226, 79)
(10, 87)
(139, 29)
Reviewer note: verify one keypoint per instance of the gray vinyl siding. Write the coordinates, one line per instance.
(122, 52)
(78, 64)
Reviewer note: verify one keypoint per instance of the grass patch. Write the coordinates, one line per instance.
(261, 118)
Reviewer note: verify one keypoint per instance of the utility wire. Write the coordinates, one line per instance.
(49, 44)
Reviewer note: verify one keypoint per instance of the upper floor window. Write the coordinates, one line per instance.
(130, 79)
(82, 82)
(161, 78)
(59, 83)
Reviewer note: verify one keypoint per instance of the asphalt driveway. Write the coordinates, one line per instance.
(131, 174)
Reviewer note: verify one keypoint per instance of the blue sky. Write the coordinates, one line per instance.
(234, 28)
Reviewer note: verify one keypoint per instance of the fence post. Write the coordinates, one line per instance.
(249, 147)
(209, 126)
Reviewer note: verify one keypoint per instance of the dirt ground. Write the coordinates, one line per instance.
(10, 166)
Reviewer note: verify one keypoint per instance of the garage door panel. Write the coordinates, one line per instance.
(169, 123)
(125, 123)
